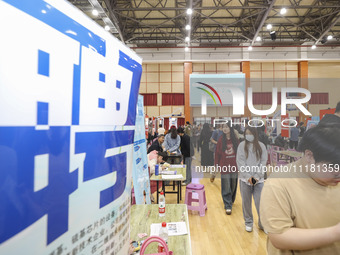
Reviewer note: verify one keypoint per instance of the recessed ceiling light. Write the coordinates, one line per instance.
(189, 11)
(258, 38)
(330, 37)
(313, 47)
(283, 11)
(95, 12)
(107, 28)
(269, 26)
(250, 48)
(187, 27)
(187, 39)
(186, 49)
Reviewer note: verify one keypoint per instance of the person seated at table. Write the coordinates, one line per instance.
(155, 158)
(172, 141)
(157, 144)
(300, 209)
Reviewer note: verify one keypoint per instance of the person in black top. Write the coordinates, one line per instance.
(187, 151)
(332, 118)
(157, 145)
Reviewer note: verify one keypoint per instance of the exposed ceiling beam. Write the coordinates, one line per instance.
(328, 28)
(228, 8)
(114, 19)
(264, 17)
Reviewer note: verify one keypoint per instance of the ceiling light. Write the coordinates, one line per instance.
(273, 35)
(269, 26)
(283, 11)
(314, 47)
(258, 38)
(189, 11)
(95, 12)
(107, 28)
(187, 39)
(330, 37)
(250, 48)
(186, 49)
(187, 27)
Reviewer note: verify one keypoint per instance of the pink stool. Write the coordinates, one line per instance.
(202, 202)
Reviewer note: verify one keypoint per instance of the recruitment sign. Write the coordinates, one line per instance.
(68, 95)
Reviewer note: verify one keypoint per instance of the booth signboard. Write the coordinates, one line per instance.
(140, 174)
(68, 96)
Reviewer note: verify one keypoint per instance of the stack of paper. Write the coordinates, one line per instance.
(177, 166)
(172, 176)
(168, 172)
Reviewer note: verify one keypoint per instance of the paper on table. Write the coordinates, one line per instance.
(177, 166)
(168, 172)
(174, 229)
(172, 176)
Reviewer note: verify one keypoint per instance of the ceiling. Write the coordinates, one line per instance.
(217, 23)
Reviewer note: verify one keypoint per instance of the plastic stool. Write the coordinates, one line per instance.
(202, 202)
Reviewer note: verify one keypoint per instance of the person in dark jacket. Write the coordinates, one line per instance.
(157, 145)
(207, 157)
(332, 118)
(187, 152)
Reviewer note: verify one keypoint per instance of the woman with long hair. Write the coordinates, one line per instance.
(251, 157)
(172, 141)
(225, 160)
(207, 158)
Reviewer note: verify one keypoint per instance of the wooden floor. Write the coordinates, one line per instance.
(217, 232)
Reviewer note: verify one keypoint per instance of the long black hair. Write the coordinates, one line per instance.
(173, 132)
(233, 138)
(206, 130)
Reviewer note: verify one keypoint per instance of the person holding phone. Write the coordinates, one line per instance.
(251, 156)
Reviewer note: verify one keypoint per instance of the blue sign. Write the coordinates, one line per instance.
(140, 174)
(68, 99)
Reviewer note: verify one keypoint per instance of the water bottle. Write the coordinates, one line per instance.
(157, 169)
(161, 205)
(163, 233)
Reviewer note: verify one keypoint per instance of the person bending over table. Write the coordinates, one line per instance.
(300, 210)
(154, 158)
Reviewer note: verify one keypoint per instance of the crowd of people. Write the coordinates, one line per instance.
(300, 210)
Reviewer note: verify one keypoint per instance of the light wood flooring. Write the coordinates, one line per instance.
(218, 233)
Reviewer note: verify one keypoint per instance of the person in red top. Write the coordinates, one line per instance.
(225, 161)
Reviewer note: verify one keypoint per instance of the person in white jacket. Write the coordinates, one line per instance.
(251, 156)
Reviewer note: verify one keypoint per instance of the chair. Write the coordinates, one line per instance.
(202, 202)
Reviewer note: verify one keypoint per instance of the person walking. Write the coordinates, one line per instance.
(251, 156)
(207, 158)
(225, 158)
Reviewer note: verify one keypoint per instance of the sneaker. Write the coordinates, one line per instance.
(228, 211)
(212, 179)
(249, 229)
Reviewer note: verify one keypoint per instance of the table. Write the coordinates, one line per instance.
(142, 216)
(290, 154)
(158, 178)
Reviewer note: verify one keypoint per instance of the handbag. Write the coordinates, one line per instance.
(212, 146)
(157, 239)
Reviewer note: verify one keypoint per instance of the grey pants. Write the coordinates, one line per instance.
(228, 189)
(247, 193)
(187, 162)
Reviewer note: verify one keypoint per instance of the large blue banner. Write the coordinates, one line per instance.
(140, 174)
(68, 97)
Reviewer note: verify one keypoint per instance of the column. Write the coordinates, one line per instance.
(187, 72)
